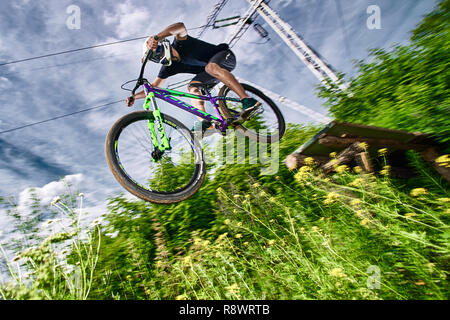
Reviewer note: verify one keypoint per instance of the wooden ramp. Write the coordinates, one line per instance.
(346, 140)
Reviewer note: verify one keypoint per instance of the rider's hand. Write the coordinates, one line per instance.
(130, 101)
(152, 44)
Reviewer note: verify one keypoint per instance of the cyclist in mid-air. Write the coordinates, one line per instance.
(210, 63)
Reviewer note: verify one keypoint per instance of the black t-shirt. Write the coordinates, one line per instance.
(194, 54)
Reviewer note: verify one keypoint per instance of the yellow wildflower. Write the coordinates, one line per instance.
(180, 297)
(245, 243)
(331, 197)
(418, 192)
(236, 196)
(356, 183)
(256, 185)
(187, 260)
(364, 222)
(360, 213)
(411, 214)
(443, 199)
(302, 230)
(305, 169)
(355, 202)
(238, 236)
(333, 155)
(205, 243)
(309, 161)
(271, 242)
(337, 272)
(341, 169)
(315, 229)
(222, 236)
(420, 283)
(363, 145)
(219, 189)
(233, 289)
(386, 170)
(382, 152)
(227, 221)
(443, 160)
(357, 169)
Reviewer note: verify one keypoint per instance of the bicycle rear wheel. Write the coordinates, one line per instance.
(266, 126)
(176, 176)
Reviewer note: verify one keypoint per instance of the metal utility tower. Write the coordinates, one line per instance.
(243, 24)
(312, 60)
(212, 16)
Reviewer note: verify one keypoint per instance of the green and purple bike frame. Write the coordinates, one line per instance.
(169, 95)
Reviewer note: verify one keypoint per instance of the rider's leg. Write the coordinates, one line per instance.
(200, 125)
(200, 104)
(227, 78)
(249, 105)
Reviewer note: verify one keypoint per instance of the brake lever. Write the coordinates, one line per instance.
(141, 79)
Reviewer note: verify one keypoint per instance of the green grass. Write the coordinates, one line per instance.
(345, 236)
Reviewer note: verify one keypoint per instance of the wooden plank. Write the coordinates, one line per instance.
(351, 130)
(338, 142)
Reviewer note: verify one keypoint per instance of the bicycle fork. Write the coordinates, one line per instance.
(163, 144)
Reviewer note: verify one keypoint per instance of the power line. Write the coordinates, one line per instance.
(80, 49)
(73, 50)
(66, 64)
(62, 116)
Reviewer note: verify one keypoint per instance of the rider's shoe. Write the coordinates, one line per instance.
(205, 127)
(249, 107)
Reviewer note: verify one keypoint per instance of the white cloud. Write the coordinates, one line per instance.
(128, 19)
(4, 82)
(48, 192)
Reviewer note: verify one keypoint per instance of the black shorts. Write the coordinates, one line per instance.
(225, 59)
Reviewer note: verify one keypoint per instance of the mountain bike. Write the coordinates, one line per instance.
(158, 159)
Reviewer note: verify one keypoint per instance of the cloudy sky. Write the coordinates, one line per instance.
(36, 90)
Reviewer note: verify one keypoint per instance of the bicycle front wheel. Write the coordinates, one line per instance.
(175, 175)
(267, 125)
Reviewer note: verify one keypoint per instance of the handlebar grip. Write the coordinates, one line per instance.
(130, 100)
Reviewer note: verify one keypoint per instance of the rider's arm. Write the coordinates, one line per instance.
(177, 29)
(158, 82)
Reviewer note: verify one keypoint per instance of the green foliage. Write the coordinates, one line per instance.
(406, 88)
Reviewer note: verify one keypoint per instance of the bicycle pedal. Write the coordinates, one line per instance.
(245, 117)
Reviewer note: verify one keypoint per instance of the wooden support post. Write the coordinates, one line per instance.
(295, 160)
(364, 162)
(343, 157)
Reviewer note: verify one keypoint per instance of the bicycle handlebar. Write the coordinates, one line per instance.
(140, 80)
